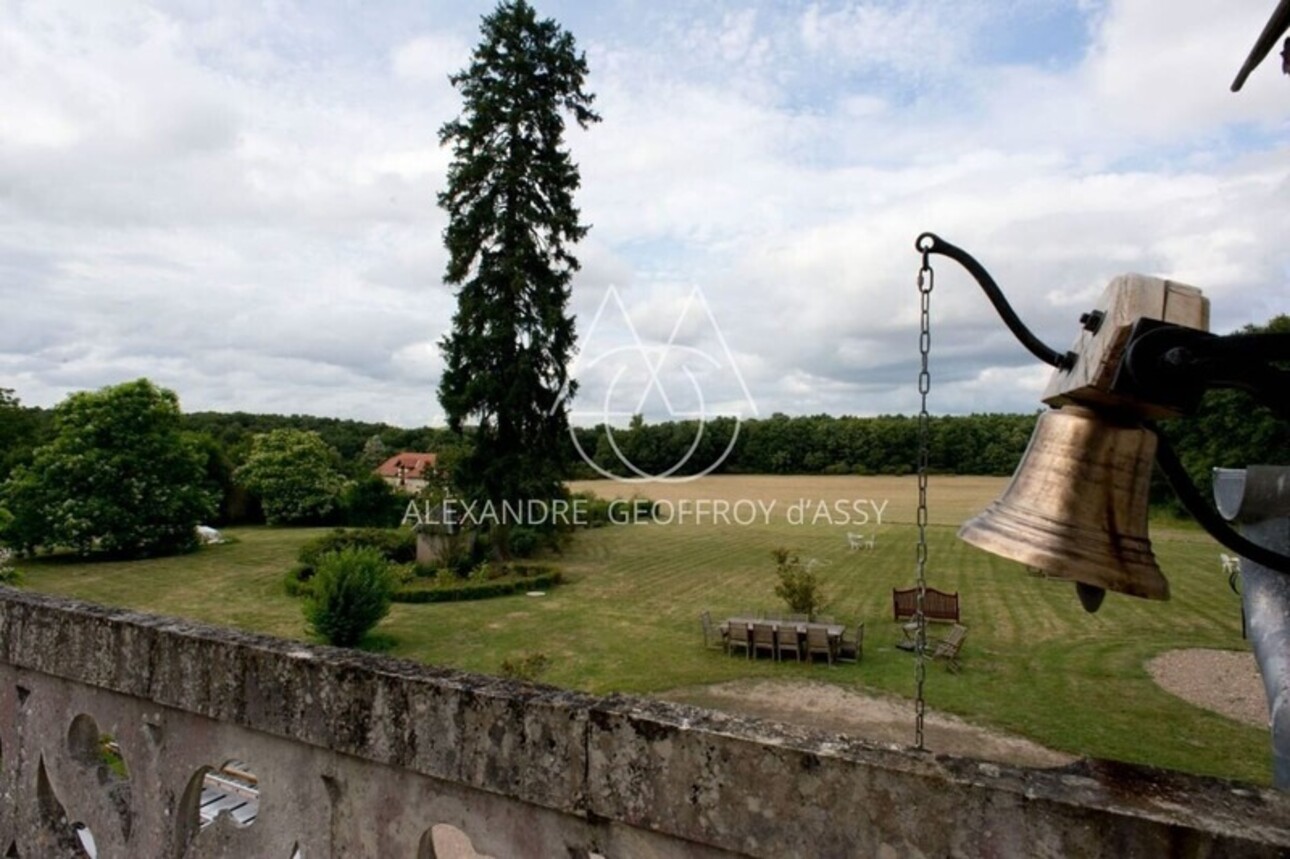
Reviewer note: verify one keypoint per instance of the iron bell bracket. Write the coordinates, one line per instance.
(1144, 353)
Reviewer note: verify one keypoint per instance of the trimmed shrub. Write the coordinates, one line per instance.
(351, 593)
(396, 546)
(530, 570)
(523, 542)
(403, 574)
(298, 581)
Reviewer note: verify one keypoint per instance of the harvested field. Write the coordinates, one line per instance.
(951, 499)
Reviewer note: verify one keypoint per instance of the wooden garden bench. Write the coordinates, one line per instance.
(937, 605)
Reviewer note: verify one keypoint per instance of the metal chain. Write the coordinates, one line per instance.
(926, 280)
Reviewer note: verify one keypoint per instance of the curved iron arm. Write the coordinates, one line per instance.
(1263, 46)
(930, 243)
(1206, 515)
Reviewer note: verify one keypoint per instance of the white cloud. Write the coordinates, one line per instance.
(430, 58)
(1164, 72)
(910, 37)
(240, 201)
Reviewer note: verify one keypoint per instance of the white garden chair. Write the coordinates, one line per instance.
(859, 541)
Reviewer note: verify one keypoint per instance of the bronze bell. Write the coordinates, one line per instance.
(1076, 507)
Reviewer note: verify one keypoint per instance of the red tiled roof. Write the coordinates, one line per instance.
(407, 464)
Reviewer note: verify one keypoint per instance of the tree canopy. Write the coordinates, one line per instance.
(1230, 429)
(295, 474)
(20, 431)
(512, 220)
(119, 477)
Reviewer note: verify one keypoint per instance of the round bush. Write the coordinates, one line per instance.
(351, 593)
(523, 541)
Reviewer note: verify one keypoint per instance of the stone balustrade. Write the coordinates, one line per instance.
(362, 756)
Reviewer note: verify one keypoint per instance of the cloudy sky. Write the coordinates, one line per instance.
(237, 199)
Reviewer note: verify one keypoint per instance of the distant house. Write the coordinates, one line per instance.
(408, 471)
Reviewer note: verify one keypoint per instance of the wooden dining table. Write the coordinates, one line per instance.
(834, 630)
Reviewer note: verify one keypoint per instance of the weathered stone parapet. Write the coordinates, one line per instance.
(360, 755)
(774, 790)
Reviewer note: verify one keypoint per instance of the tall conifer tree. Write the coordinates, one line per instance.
(511, 224)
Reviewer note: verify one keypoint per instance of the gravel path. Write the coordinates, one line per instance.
(1225, 681)
(875, 718)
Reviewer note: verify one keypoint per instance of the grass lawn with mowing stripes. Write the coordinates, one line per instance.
(627, 617)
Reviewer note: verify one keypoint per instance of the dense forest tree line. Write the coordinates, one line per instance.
(352, 440)
(818, 444)
(1228, 430)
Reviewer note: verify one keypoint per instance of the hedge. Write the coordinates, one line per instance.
(478, 590)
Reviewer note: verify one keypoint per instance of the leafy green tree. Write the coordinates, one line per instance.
(351, 592)
(511, 221)
(374, 453)
(119, 477)
(797, 587)
(295, 475)
(1230, 429)
(20, 431)
(371, 501)
(12, 425)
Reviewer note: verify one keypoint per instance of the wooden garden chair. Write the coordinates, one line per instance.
(948, 647)
(763, 638)
(738, 636)
(786, 640)
(849, 649)
(713, 638)
(817, 641)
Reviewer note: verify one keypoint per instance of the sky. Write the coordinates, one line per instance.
(238, 199)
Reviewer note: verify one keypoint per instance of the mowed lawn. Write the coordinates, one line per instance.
(627, 619)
